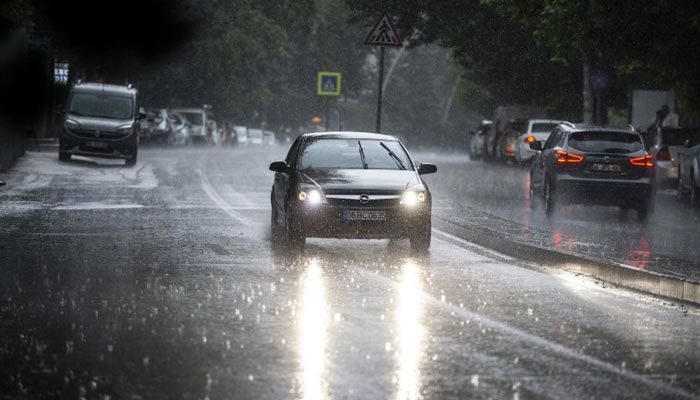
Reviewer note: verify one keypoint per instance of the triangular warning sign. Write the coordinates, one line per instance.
(383, 33)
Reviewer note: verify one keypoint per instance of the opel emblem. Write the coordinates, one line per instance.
(607, 159)
(364, 199)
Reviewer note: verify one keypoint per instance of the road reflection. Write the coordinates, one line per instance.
(409, 331)
(313, 325)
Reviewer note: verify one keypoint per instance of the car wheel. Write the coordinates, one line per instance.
(275, 229)
(420, 240)
(643, 212)
(694, 191)
(64, 156)
(293, 233)
(680, 193)
(533, 196)
(549, 198)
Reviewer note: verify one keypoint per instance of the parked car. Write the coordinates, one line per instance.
(159, 125)
(689, 174)
(477, 142)
(198, 119)
(502, 136)
(255, 136)
(537, 130)
(181, 133)
(269, 138)
(350, 185)
(666, 144)
(101, 120)
(241, 134)
(583, 164)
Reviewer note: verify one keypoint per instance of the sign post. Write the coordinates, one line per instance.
(328, 84)
(383, 34)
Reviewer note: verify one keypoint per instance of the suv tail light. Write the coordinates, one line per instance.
(566, 158)
(663, 154)
(643, 161)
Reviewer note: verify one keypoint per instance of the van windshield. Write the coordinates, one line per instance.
(195, 118)
(100, 105)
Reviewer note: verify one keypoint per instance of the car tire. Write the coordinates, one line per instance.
(275, 229)
(694, 191)
(643, 211)
(293, 233)
(550, 200)
(680, 193)
(64, 156)
(533, 197)
(420, 240)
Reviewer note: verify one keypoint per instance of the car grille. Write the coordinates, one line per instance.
(95, 134)
(373, 200)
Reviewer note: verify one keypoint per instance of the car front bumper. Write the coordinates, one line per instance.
(326, 221)
(123, 148)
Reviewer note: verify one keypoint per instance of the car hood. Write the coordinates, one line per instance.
(361, 179)
(98, 124)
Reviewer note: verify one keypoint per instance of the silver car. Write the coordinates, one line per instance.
(689, 174)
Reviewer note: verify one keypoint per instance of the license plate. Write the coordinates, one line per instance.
(98, 145)
(358, 215)
(607, 167)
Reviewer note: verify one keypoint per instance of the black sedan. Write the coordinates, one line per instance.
(589, 165)
(350, 185)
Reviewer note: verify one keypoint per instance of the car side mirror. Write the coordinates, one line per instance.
(426, 168)
(279, 166)
(536, 145)
(688, 143)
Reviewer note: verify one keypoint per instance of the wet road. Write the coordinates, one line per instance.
(495, 198)
(159, 282)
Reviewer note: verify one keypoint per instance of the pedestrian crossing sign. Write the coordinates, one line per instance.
(383, 33)
(328, 83)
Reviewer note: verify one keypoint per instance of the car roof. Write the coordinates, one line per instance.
(92, 87)
(546, 121)
(569, 127)
(348, 135)
(188, 110)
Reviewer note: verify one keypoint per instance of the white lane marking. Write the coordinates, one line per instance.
(95, 206)
(465, 313)
(473, 246)
(214, 196)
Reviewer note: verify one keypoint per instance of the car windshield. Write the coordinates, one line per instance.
(101, 105)
(353, 154)
(606, 142)
(543, 127)
(194, 118)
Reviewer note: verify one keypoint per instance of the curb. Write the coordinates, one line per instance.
(622, 275)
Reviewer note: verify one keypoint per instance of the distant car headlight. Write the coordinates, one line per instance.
(412, 198)
(311, 196)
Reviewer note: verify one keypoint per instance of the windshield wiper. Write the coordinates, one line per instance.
(393, 155)
(362, 155)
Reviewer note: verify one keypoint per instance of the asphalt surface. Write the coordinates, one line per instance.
(160, 282)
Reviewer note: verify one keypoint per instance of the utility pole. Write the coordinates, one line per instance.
(380, 90)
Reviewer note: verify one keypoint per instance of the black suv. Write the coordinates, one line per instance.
(583, 164)
(101, 120)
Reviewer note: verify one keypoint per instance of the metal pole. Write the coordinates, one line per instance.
(328, 119)
(379, 89)
(340, 119)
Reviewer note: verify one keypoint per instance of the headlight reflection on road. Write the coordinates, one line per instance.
(313, 324)
(410, 331)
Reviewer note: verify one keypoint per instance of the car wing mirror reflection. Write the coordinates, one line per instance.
(536, 145)
(279, 166)
(426, 168)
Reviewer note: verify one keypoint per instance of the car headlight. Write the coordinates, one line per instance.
(125, 129)
(312, 196)
(70, 125)
(412, 197)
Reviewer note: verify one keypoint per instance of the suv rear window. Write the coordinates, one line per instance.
(543, 127)
(677, 137)
(606, 142)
